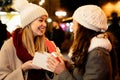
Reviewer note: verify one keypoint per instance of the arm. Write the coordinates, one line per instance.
(65, 75)
(9, 64)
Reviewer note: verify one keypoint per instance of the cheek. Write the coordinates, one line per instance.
(33, 26)
(34, 29)
(74, 28)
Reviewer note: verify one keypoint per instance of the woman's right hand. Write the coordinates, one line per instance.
(28, 65)
(57, 66)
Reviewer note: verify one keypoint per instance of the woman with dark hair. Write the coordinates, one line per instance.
(92, 53)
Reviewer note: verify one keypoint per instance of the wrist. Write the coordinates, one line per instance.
(23, 69)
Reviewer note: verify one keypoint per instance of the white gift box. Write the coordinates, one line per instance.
(40, 59)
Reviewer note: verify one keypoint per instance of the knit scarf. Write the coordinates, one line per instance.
(24, 56)
(100, 42)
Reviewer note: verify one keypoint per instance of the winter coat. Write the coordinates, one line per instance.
(98, 67)
(10, 64)
(98, 64)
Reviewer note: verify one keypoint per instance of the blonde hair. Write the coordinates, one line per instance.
(33, 44)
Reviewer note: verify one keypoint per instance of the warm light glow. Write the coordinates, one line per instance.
(49, 20)
(60, 13)
(111, 7)
(13, 23)
(41, 2)
(2, 13)
(117, 8)
(11, 19)
(108, 8)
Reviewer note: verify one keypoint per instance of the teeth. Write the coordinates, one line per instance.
(41, 28)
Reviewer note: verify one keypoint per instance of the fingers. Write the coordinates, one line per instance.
(35, 67)
(28, 65)
(51, 67)
(52, 60)
(52, 63)
(56, 56)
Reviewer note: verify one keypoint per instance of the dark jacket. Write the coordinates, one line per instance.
(98, 67)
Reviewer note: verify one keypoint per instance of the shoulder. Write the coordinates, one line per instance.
(98, 64)
(8, 46)
(99, 51)
(99, 56)
(8, 43)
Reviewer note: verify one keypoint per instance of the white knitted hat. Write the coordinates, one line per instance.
(28, 11)
(91, 17)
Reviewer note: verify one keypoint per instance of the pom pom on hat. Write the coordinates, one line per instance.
(91, 17)
(28, 11)
(19, 4)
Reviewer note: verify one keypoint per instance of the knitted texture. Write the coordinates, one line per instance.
(91, 17)
(28, 11)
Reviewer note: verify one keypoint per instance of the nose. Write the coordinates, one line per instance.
(44, 23)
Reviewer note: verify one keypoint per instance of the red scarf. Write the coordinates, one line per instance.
(24, 56)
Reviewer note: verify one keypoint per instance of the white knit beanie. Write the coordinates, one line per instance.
(28, 11)
(91, 17)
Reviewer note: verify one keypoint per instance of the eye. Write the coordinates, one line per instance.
(41, 20)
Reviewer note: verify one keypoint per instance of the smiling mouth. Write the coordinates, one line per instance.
(41, 29)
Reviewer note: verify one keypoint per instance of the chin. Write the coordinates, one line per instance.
(40, 34)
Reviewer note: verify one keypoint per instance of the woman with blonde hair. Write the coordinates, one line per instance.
(17, 52)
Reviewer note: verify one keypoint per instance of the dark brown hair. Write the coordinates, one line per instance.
(81, 44)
